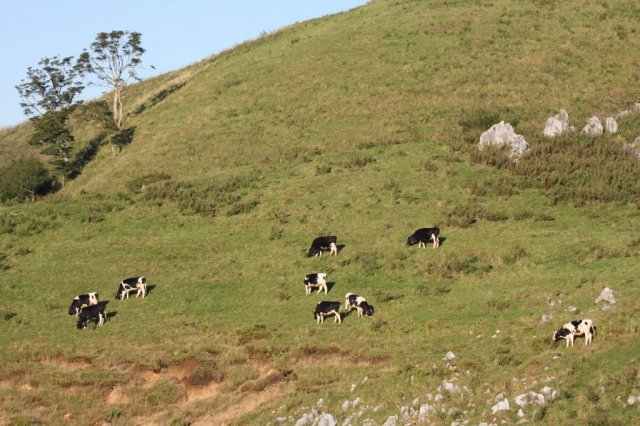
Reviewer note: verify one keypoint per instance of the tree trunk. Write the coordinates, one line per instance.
(117, 107)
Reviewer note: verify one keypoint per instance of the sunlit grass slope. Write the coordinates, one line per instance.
(355, 125)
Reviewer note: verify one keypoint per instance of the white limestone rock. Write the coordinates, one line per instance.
(606, 295)
(502, 134)
(593, 127)
(611, 125)
(501, 406)
(557, 125)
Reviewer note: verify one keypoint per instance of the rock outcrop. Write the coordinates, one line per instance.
(593, 127)
(557, 125)
(502, 134)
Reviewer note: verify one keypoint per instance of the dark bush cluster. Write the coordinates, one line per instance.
(24, 179)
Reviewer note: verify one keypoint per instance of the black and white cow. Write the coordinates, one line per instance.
(93, 313)
(82, 301)
(323, 244)
(570, 330)
(129, 285)
(352, 300)
(423, 235)
(325, 309)
(318, 281)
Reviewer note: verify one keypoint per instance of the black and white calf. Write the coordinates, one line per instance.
(129, 285)
(82, 301)
(325, 309)
(352, 300)
(320, 244)
(318, 281)
(570, 330)
(93, 313)
(423, 235)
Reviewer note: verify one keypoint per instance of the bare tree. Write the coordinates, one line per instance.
(114, 59)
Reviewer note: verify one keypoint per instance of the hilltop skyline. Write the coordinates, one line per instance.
(173, 34)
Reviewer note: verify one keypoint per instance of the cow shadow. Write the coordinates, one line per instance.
(442, 240)
(111, 314)
(340, 247)
(330, 285)
(150, 288)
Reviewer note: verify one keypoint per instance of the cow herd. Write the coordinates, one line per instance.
(88, 308)
(318, 280)
(422, 236)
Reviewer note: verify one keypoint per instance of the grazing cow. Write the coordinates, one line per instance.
(325, 309)
(423, 235)
(318, 281)
(128, 285)
(91, 313)
(323, 243)
(82, 301)
(570, 330)
(352, 300)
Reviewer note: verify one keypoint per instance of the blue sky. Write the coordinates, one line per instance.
(174, 33)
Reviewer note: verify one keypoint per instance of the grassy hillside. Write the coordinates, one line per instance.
(359, 125)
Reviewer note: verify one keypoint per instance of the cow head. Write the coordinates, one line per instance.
(82, 323)
(75, 306)
(412, 240)
(313, 251)
(561, 334)
(120, 293)
(367, 309)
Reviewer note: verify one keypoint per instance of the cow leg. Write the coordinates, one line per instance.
(338, 318)
(435, 240)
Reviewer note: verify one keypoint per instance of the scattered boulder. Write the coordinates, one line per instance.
(502, 134)
(391, 421)
(606, 295)
(593, 127)
(449, 356)
(632, 399)
(557, 125)
(633, 148)
(326, 420)
(611, 125)
(451, 388)
(501, 406)
(545, 318)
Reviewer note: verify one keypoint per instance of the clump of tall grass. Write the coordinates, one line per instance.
(205, 198)
(574, 168)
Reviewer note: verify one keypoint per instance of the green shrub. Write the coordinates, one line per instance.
(23, 179)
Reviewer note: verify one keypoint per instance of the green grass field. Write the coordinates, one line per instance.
(359, 125)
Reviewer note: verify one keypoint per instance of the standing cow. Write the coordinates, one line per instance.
(325, 309)
(129, 285)
(352, 300)
(320, 244)
(318, 281)
(570, 330)
(82, 301)
(93, 313)
(423, 235)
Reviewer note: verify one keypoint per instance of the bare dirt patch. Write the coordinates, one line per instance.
(249, 403)
(196, 393)
(184, 369)
(117, 396)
